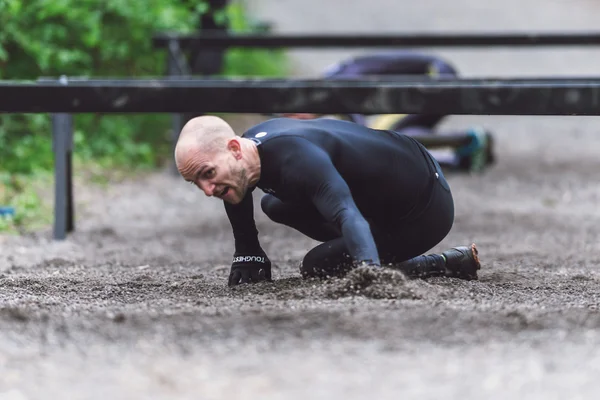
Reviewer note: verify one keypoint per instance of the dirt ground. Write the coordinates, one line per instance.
(135, 305)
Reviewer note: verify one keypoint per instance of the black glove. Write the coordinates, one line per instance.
(249, 268)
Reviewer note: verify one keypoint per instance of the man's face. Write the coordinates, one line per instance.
(217, 174)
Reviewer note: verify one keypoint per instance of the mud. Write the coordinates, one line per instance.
(135, 304)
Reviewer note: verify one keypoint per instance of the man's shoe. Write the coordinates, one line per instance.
(462, 262)
(479, 153)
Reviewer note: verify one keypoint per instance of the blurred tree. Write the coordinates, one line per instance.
(106, 38)
(101, 38)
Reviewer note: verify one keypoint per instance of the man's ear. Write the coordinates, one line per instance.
(235, 147)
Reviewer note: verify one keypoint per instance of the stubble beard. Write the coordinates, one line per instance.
(241, 182)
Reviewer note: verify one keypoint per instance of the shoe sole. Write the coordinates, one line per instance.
(475, 258)
(475, 254)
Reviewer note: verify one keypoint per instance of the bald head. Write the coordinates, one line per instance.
(207, 134)
(211, 156)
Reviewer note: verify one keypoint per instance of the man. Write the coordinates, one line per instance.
(373, 197)
(472, 148)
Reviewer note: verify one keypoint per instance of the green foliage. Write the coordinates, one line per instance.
(85, 38)
(23, 193)
(101, 38)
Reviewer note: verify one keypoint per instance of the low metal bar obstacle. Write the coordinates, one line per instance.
(374, 96)
(531, 39)
(570, 96)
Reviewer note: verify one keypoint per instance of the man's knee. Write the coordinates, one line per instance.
(328, 259)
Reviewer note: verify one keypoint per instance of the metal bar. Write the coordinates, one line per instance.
(452, 96)
(62, 132)
(184, 81)
(401, 40)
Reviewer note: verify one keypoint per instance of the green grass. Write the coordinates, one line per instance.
(25, 194)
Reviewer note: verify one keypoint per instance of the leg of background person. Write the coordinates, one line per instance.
(447, 158)
(305, 219)
(438, 69)
(474, 149)
(469, 150)
(418, 120)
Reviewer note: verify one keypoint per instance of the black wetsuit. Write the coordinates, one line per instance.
(372, 196)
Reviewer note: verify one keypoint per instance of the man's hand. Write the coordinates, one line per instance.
(250, 268)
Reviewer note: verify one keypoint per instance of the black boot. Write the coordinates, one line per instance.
(423, 267)
(462, 262)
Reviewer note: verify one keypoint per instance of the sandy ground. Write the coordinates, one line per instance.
(135, 305)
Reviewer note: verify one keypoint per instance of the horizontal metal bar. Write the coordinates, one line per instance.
(451, 96)
(382, 78)
(400, 40)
